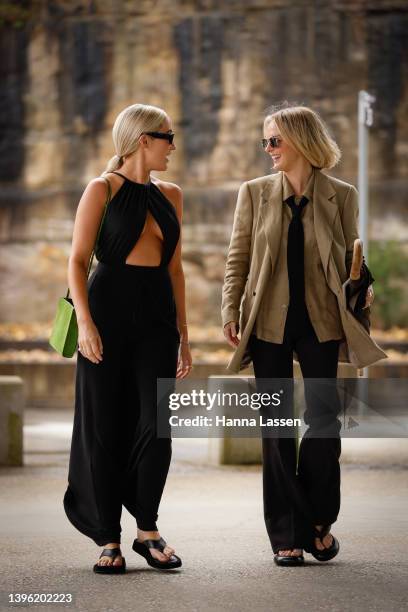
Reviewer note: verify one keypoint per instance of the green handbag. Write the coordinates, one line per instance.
(64, 335)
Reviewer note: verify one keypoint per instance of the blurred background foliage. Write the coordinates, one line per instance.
(388, 262)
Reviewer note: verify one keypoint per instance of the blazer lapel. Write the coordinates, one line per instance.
(325, 210)
(271, 214)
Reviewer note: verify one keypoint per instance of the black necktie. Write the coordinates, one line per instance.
(295, 255)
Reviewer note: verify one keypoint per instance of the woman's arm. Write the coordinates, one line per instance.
(175, 268)
(87, 221)
(237, 266)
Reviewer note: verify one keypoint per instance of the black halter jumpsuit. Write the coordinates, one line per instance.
(116, 457)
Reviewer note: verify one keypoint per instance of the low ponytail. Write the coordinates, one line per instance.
(114, 163)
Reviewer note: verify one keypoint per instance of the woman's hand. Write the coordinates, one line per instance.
(369, 296)
(230, 333)
(89, 341)
(185, 361)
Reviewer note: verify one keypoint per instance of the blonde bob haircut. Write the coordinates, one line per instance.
(306, 132)
(129, 125)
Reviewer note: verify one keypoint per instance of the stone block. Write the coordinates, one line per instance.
(246, 451)
(232, 451)
(11, 420)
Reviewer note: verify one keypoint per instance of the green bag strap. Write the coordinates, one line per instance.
(108, 199)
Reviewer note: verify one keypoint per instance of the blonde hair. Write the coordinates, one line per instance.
(129, 126)
(302, 128)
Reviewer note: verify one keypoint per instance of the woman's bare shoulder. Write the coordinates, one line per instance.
(94, 195)
(97, 186)
(166, 185)
(172, 191)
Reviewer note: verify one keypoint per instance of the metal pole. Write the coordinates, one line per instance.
(365, 121)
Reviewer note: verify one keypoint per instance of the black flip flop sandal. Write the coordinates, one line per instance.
(328, 553)
(110, 569)
(142, 548)
(288, 561)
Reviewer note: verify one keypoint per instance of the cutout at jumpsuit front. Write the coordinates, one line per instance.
(116, 457)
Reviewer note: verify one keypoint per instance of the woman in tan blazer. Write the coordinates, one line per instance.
(290, 254)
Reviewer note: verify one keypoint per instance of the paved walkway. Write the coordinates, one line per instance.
(213, 516)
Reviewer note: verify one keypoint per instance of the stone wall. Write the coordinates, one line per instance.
(68, 68)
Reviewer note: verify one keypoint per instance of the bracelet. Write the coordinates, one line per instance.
(184, 342)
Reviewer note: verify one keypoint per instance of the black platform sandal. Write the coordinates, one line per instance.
(327, 553)
(289, 560)
(110, 569)
(142, 548)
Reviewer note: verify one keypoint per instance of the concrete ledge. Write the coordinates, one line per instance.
(234, 451)
(11, 420)
(47, 385)
(373, 452)
(367, 452)
(51, 384)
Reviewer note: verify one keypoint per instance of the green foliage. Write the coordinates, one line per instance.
(388, 263)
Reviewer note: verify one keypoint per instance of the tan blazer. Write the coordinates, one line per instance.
(253, 250)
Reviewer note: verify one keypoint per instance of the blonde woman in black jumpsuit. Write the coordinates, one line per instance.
(132, 330)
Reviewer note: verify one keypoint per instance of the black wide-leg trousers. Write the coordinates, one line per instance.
(116, 457)
(295, 500)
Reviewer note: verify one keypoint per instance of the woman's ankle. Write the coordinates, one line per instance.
(148, 534)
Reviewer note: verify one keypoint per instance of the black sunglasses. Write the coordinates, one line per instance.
(162, 135)
(274, 141)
